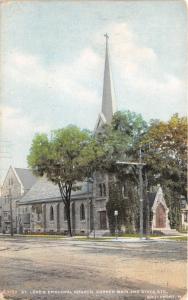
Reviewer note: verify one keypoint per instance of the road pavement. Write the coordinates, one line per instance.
(41, 268)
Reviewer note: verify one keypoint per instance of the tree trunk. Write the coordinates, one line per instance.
(68, 218)
(65, 192)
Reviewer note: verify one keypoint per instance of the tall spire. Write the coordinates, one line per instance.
(108, 97)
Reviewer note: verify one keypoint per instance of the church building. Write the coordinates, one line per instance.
(40, 209)
(88, 207)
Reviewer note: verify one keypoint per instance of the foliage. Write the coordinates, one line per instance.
(67, 157)
(119, 141)
(119, 138)
(165, 153)
(126, 205)
(70, 155)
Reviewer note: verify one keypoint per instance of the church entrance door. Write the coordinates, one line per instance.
(103, 224)
(160, 216)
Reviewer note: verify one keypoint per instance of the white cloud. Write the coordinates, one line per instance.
(126, 51)
(141, 72)
(67, 79)
(138, 67)
(15, 125)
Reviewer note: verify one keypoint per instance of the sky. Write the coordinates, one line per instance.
(52, 64)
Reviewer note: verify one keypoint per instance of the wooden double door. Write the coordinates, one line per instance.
(160, 216)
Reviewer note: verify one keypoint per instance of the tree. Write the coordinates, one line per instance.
(165, 153)
(123, 198)
(67, 157)
(120, 140)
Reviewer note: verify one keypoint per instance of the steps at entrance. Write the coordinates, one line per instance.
(99, 233)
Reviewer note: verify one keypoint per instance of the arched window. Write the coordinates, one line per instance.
(51, 213)
(65, 214)
(100, 189)
(82, 212)
(124, 191)
(104, 189)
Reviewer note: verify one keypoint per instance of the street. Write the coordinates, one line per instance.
(41, 268)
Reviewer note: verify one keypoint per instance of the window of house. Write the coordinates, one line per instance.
(65, 215)
(104, 189)
(10, 181)
(124, 191)
(100, 189)
(51, 213)
(185, 217)
(82, 212)
(38, 217)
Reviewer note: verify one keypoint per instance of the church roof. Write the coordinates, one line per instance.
(26, 177)
(45, 191)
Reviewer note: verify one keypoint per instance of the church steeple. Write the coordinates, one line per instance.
(108, 97)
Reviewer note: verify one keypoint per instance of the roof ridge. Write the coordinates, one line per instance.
(22, 168)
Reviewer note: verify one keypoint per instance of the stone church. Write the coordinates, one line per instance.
(41, 210)
(16, 184)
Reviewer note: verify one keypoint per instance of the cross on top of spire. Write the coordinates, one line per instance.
(106, 36)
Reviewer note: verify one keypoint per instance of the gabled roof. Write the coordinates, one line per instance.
(100, 122)
(26, 177)
(46, 190)
(157, 198)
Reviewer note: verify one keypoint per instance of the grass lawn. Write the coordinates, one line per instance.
(178, 238)
(48, 236)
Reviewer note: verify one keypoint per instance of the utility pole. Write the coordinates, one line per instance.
(147, 209)
(140, 165)
(116, 223)
(141, 193)
(89, 208)
(93, 208)
(11, 217)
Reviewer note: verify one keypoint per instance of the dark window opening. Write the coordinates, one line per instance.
(82, 212)
(51, 213)
(65, 214)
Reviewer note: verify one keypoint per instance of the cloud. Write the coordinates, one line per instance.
(15, 125)
(141, 73)
(125, 48)
(67, 79)
(138, 68)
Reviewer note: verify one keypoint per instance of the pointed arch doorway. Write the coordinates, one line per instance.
(160, 216)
